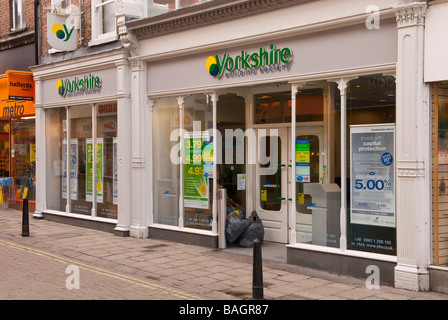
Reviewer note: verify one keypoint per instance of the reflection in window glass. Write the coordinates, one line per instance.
(165, 172)
(108, 176)
(276, 107)
(271, 181)
(56, 134)
(23, 157)
(440, 239)
(80, 178)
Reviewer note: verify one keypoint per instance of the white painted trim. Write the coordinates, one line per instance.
(351, 253)
(184, 229)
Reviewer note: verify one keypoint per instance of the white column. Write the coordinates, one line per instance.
(180, 103)
(413, 142)
(342, 85)
(40, 152)
(139, 226)
(293, 191)
(124, 158)
(214, 98)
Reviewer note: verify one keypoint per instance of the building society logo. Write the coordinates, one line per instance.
(61, 31)
(262, 60)
(88, 84)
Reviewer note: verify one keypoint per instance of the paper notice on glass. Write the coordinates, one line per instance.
(241, 181)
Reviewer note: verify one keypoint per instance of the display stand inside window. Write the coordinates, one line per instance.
(7, 193)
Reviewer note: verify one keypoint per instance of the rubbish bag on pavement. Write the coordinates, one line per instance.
(235, 226)
(255, 230)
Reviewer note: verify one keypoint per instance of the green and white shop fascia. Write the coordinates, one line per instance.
(342, 81)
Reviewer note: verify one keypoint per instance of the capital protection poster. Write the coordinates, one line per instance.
(372, 176)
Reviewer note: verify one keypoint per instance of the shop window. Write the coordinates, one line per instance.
(166, 183)
(276, 107)
(231, 116)
(18, 15)
(103, 22)
(4, 148)
(107, 171)
(82, 175)
(56, 144)
(81, 159)
(370, 166)
(440, 178)
(198, 162)
(23, 157)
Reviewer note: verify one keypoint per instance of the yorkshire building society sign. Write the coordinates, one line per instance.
(61, 32)
(87, 84)
(263, 60)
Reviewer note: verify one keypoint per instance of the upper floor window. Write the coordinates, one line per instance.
(18, 14)
(104, 27)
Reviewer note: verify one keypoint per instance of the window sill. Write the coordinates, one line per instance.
(102, 40)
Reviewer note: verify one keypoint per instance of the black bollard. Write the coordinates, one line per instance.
(25, 219)
(257, 277)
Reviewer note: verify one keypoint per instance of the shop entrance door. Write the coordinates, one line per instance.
(272, 183)
(274, 170)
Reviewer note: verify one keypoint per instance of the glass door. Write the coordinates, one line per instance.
(272, 183)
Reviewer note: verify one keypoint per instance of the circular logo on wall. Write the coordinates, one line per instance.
(58, 30)
(212, 66)
(60, 87)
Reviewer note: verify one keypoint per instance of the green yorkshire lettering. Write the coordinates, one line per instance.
(86, 83)
(262, 57)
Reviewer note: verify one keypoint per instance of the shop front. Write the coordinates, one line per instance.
(17, 139)
(300, 128)
(78, 126)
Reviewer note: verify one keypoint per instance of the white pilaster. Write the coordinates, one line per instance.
(139, 226)
(413, 151)
(40, 151)
(124, 151)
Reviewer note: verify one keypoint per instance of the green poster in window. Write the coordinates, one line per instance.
(99, 170)
(196, 180)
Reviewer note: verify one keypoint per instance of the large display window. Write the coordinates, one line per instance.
(81, 147)
(440, 171)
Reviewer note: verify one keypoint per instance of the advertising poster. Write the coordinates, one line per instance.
(99, 170)
(196, 181)
(303, 160)
(73, 169)
(372, 175)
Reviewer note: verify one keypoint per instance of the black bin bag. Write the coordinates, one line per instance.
(235, 226)
(254, 230)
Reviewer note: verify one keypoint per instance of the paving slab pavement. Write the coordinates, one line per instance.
(49, 263)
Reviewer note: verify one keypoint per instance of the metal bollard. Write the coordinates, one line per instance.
(257, 277)
(25, 219)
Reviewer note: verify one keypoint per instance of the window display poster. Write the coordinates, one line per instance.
(303, 160)
(196, 181)
(73, 169)
(99, 169)
(372, 194)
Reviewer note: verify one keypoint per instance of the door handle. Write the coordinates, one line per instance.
(277, 178)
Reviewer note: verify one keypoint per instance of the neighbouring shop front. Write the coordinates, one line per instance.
(17, 139)
(436, 76)
(308, 143)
